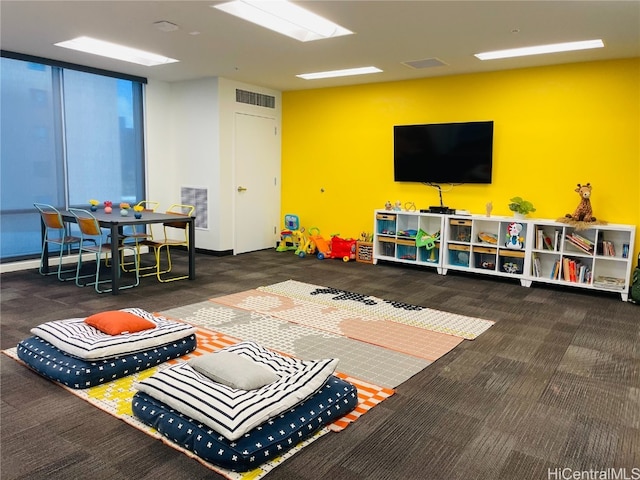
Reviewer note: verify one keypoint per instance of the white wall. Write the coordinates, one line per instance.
(189, 142)
(189, 135)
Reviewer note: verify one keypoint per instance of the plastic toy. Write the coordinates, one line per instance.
(427, 240)
(514, 240)
(344, 248)
(291, 237)
(307, 245)
(335, 248)
(322, 247)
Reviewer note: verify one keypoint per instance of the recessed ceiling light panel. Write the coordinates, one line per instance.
(540, 49)
(113, 50)
(284, 17)
(339, 73)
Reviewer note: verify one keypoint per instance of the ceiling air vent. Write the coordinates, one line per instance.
(253, 98)
(426, 63)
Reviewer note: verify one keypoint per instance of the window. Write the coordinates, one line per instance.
(68, 135)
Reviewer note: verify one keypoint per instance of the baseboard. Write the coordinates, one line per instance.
(214, 253)
(35, 262)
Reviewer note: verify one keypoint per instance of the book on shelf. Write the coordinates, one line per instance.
(553, 270)
(537, 267)
(609, 282)
(539, 238)
(608, 249)
(582, 239)
(568, 270)
(544, 241)
(575, 272)
(577, 241)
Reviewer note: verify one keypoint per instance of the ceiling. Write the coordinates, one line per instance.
(387, 33)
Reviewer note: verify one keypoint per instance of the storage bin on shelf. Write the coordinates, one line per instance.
(387, 246)
(459, 255)
(485, 257)
(406, 249)
(430, 256)
(460, 230)
(511, 262)
(386, 223)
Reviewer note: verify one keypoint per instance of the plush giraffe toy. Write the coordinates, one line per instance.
(583, 212)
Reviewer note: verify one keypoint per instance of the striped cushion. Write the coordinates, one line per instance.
(74, 337)
(233, 412)
(270, 440)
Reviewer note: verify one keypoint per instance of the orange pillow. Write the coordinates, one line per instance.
(116, 322)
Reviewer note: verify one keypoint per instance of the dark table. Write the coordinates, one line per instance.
(115, 223)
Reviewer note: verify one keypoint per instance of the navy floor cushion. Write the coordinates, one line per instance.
(269, 440)
(54, 364)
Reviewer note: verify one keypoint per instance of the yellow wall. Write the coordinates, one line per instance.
(554, 127)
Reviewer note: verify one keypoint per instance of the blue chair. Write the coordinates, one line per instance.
(56, 235)
(93, 241)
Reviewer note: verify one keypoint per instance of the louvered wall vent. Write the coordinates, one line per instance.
(254, 98)
(197, 197)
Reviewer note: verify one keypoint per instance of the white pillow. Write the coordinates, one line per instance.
(233, 370)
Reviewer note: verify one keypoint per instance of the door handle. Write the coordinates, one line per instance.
(242, 189)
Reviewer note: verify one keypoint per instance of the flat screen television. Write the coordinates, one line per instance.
(443, 152)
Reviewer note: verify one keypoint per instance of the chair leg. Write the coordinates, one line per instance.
(59, 271)
(169, 267)
(122, 287)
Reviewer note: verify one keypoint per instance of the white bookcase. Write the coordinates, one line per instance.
(395, 235)
(529, 250)
(484, 245)
(598, 257)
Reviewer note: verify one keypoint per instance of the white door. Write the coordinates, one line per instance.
(257, 183)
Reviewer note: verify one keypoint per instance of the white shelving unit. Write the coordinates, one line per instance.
(529, 250)
(395, 237)
(484, 245)
(597, 258)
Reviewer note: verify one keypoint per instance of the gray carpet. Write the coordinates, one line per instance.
(555, 383)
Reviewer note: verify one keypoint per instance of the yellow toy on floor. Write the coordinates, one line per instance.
(291, 237)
